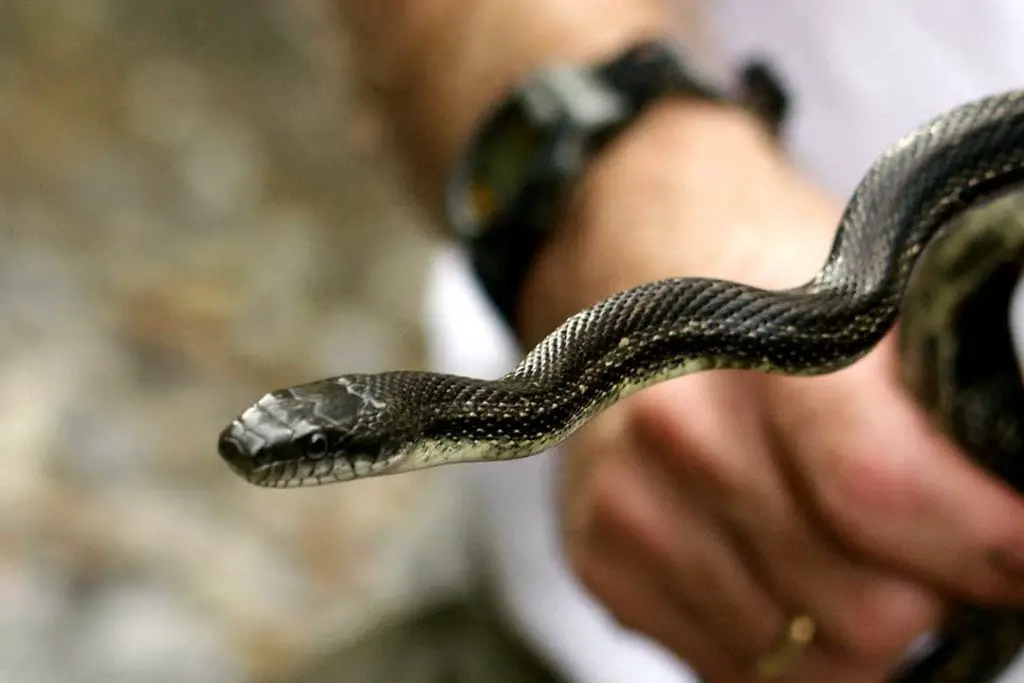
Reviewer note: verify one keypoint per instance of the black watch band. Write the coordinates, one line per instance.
(503, 196)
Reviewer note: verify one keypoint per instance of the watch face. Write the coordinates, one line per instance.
(502, 162)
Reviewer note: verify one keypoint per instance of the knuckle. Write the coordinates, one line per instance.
(627, 619)
(581, 551)
(618, 611)
(862, 491)
(997, 569)
(596, 520)
(588, 499)
(716, 471)
(607, 510)
(578, 557)
(975, 582)
(611, 591)
(690, 446)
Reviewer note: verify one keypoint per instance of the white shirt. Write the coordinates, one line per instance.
(862, 73)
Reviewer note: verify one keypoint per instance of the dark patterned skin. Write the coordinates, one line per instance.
(958, 360)
(365, 425)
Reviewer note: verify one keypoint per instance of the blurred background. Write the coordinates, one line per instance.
(195, 208)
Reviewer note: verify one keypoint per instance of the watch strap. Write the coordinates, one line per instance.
(607, 98)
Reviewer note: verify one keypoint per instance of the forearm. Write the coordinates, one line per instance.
(435, 66)
(659, 201)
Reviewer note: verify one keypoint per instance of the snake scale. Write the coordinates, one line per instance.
(931, 236)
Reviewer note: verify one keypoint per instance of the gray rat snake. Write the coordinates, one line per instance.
(951, 186)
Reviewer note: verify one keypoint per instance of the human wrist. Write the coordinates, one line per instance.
(438, 67)
(655, 204)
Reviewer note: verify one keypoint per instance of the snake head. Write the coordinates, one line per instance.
(317, 433)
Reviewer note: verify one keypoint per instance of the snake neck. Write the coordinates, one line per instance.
(548, 396)
(675, 327)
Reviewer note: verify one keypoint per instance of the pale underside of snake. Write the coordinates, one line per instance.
(933, 235)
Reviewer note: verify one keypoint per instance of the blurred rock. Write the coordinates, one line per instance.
(194, 212)
(138, 633)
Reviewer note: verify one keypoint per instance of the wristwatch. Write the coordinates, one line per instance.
(503, 194)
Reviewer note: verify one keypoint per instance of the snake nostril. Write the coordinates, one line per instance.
(233, 452)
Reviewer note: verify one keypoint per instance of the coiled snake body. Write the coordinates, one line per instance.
(951, 186)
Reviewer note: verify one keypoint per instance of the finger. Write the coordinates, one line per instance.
(868, 613)
(819, 665)
(639, 602)
(889, 485)
(684, 550)
(706, 431)
(865, 614)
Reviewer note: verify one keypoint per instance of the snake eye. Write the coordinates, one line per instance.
(317, 447)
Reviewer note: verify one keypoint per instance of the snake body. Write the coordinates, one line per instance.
(931, 232)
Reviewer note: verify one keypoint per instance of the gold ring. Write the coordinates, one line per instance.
(780, 661)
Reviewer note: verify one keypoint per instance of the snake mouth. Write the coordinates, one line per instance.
(242, 449)
(304, 472)
(242, 457)
(235, 448)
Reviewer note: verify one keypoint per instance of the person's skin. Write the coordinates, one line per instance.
(707, 511)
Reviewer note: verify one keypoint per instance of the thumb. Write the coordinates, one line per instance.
(890, 486)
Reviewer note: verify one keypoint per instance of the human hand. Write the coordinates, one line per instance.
(708, 511)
